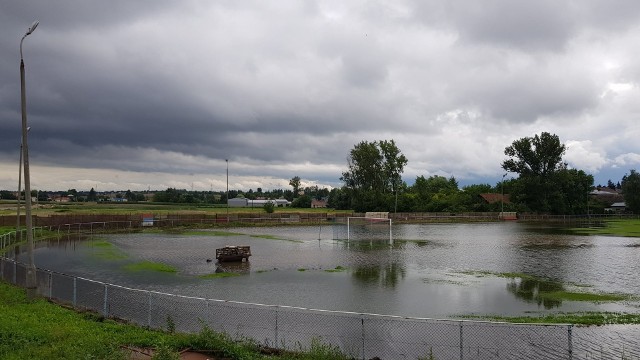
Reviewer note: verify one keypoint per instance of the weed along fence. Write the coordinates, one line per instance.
(362, 336)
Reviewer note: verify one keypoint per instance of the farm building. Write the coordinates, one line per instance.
(243, 202)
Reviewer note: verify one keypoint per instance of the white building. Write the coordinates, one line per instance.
(243, 202)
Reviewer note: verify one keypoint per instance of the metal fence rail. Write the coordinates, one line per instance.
(362, 336)
(359, 335)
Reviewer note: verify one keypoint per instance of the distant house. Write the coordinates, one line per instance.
(607, 196)
(618, 207)
(492, 198)
(62, 198)
(315, 203)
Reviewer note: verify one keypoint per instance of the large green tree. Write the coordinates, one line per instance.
(539, 155)
(295, 184)
(631, 191)
(537, 160)
(373, 174)
(569, 194)
(435, 193)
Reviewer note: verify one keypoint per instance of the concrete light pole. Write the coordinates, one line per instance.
(18, 232)
(31, 268)
(502, 198)
(227, 161)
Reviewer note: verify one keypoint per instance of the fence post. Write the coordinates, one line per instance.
(50, 284)
(149, 310)
(363, 340)
(570, 336)
(461, 343)
(275, 339)
(75, 290)
(104, 306)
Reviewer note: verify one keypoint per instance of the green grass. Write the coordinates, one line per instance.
(40, 330)
(154, 208)
(100, 243)
(578, 318)
(619, 227)
(579, 296)
(37, 329)
(150, 266)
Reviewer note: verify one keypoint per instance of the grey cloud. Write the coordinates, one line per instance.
(174, 87)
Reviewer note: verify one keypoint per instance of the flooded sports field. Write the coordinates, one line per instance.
(427, 270)
(441, 271)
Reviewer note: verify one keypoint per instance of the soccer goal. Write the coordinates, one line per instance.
(363, 229)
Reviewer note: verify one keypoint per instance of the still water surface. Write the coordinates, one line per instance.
(430, 270)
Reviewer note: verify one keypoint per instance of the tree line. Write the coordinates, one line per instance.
(540, 182)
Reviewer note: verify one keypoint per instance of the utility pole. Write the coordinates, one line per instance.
(31, 268)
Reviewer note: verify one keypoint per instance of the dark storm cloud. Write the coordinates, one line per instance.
(285, 88)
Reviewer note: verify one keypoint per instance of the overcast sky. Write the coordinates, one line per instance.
(155, 94)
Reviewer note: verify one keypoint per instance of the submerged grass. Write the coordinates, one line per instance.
(577, 318)
(273, 237)
(337, 269)
(506, 275)
(105, 250)
(228, 233)
(218, 275)
(545, 290)
(210, 233)
(150, 266)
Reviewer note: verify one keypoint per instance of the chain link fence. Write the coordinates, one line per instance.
(362, 336)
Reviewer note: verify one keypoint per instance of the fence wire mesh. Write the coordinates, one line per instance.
(362, 336)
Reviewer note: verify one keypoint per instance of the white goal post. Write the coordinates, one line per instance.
(367, 228)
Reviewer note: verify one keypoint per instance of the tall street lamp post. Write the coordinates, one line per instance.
(502, 198)
(31, 268)
(18, 232)
(227, 161)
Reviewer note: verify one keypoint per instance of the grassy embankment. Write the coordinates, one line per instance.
(8, 208)
(618, 227)
(38, 329)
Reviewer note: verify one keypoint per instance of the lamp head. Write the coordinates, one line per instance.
(32, 27)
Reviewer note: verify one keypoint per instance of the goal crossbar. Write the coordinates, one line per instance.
(366, 228)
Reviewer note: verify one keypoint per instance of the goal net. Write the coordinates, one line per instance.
(363, 229)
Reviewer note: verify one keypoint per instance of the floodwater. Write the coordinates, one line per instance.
(428, 270)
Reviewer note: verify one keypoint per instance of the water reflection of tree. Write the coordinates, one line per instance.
(386, 275)
(536, 290)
